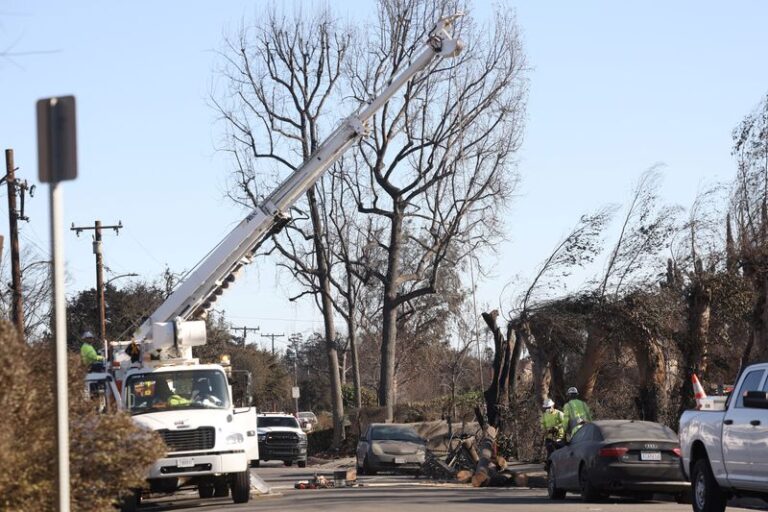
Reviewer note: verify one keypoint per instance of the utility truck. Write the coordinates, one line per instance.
(211, 439)
(725, 443)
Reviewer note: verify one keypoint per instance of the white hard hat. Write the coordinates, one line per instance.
(548, 403)
(88, 335)
(572, 391)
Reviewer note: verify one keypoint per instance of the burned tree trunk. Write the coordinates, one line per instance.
(497, 394)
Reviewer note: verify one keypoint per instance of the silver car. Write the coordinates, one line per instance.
(390, 447)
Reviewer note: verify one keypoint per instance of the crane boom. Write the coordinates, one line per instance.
(209, 279)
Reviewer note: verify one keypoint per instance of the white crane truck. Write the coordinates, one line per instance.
(210, 440)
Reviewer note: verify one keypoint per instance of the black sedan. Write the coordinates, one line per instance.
(635, 458)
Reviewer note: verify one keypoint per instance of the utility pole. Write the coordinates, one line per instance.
(15, 215)
(97, 227)
(245, 331)
(295, 338)
(273, 336)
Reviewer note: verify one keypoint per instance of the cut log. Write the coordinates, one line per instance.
(464, 476)
(485, 466)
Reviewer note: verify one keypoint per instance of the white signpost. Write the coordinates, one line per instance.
(57, 161)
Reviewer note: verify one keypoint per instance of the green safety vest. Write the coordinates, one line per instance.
(177, 400)
(552, 424)
(575, 414)
(88, 354)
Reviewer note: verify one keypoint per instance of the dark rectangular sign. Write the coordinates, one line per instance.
(56, 139)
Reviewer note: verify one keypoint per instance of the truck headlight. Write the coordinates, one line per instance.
(262, 437)
(236, 438)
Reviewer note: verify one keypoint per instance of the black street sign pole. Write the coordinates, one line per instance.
(57, 161)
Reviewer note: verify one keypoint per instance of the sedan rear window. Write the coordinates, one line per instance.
(394, 433)
(630, 430)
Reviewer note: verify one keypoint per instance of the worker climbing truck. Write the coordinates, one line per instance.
(210, 440)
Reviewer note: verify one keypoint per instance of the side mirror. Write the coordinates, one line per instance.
(756, 399)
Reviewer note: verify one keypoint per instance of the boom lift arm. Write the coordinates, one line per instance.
(208, 280)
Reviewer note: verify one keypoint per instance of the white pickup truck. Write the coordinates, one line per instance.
(725, 451)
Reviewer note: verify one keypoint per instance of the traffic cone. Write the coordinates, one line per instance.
(698, 390)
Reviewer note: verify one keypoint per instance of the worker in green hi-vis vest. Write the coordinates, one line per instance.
(575, 413)
(88, 354)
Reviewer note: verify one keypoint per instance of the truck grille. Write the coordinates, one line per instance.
(282, 438)
(203, 438)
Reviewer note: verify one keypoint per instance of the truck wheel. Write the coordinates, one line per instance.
(707, 495)
(255, 463)
(241, 487)
(554, 492)
(220, 487)
(302, 463)
(205, 490)
(131, 502)
(288, 463)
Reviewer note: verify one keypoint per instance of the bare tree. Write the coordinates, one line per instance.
(281, 75)
(438, 167)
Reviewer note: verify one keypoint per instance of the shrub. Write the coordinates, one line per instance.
(109, 454)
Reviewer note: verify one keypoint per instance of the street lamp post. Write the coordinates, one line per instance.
(102, 312)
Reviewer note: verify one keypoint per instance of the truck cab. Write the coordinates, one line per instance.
(210, 440)
(724, 445)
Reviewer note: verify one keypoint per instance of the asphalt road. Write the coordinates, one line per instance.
(393, 493)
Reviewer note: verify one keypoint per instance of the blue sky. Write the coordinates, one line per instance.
(615, 87)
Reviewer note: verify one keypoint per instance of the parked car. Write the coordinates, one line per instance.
(626, 457)
(390, 447)
(724, 444)
(280, 438)
(308, 421)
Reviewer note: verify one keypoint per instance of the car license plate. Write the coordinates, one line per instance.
(650, 455)
(186, 462)
(399, 460)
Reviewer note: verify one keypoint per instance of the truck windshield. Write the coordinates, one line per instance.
(184, 389)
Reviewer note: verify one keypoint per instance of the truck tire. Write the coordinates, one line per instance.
(220, 487)
(302, 463)
(241, 487)
(288, 463)
(707, 495)
(255, 463)
(131, 502)
(205, 490)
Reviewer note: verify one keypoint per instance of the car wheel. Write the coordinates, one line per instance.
(588, 490)
(707, 495)
(554, 492)
(241, 487)
(367, 469)
(288, 463)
